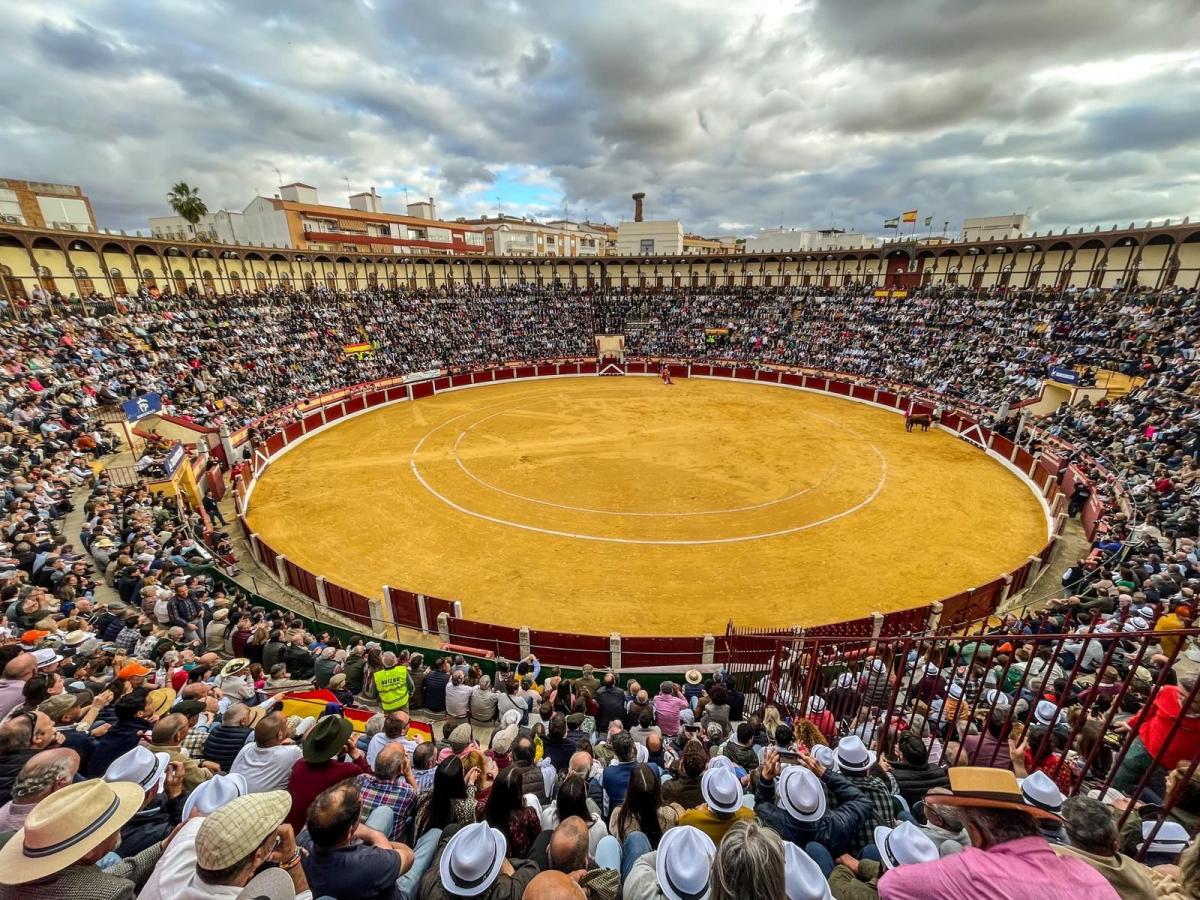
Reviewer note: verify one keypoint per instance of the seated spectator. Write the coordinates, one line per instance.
(266, 762)
(507, 812)
(395, 730)
(1093, 837)
(556, 745)
(320, 765)
(642, 808)
(470, 861)
(226, 739)
(792, 800)
(723, 804)
(162, 807)
(1006, 850)
(855, 879)
(855, 762)
(741, 750)
(679, 869)
(913, 773)
(684, 788)
(450, 801)
(42, 775)
(617, 773)
(21, 738)
(347, 858)
(55, 855)
(167, 737)
(572, 800)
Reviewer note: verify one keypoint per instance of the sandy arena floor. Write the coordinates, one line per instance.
(620, 504)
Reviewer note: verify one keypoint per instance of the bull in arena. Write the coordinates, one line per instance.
(922, 419)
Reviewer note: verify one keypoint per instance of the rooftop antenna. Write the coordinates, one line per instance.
(498, 207)
(406, 196)
(279, 178)
(347, 180)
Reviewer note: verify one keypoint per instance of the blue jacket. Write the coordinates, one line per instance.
(836, 831)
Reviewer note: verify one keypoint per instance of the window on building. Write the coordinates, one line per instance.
(647, 246)
(61, 212)
(10, 207)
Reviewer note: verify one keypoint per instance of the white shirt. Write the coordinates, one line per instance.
(266, 769)
(380, 740)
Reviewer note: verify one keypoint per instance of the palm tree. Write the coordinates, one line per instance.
(186, 202)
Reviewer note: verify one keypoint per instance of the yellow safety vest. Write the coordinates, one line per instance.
(392, 685)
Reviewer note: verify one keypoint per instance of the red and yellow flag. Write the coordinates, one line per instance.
(910, 216)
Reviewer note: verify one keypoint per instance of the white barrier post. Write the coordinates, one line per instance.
(322, 593)
(709, 652)
(281, 569)
(935, 616)
(523, 640)
(614, 651)
(443, 624)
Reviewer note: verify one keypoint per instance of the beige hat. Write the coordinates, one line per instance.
(460, 738)
(235, 830)
(692, 676)
(75, 638)
(503, 739)
(234, 666)
(66, 826)
(161, 700)
(220, 615)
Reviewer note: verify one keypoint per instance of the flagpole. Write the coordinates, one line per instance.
(929, 236)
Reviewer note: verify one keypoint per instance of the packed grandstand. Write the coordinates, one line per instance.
(169, 733)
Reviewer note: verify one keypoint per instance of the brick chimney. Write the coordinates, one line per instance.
(637, 205)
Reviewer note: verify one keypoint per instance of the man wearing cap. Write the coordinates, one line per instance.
(1008, 857)
(236, 840)
(791, 799)
(320, 767)
(54, 856)
(723, 804)
(266, 762)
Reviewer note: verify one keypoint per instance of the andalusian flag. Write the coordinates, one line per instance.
(910, 216)
(928, 221)
(891, 223)
(357, 349)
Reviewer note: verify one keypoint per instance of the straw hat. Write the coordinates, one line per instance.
(161, 700)
(234, 666)
(987, 788)
(692, 676)
(66, 826)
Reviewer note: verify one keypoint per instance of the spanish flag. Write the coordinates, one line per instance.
(357, 349)
(910, 216)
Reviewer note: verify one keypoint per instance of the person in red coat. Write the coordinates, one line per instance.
(1152, 727)
(319, 767)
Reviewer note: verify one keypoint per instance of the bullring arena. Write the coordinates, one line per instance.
(636, 500)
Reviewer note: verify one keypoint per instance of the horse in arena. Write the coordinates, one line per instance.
(924, 420)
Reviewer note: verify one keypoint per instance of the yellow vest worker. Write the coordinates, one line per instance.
(392, 685)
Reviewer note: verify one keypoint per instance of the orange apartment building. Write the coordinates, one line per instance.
(41, 204)
(295, 218)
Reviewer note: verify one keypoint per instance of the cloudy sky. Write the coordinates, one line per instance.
(731, 116)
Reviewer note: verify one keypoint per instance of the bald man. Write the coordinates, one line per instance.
(19, 670)
(42, 775)
(22, 738)
(553, 886)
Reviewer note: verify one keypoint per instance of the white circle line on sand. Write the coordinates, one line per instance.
(412, 461)
(618, 512)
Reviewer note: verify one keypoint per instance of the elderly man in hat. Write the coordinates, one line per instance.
(54, 856)
(854, 762)
(234, 680)
(321, 764)
(1007, 858)
(162, 808)
(236, 840)
(723, 805)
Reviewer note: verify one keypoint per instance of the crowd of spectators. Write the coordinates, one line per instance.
(145, 749)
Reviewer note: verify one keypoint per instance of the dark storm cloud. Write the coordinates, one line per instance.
(730, 116)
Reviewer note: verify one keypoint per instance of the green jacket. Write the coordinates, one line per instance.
(845, 885)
